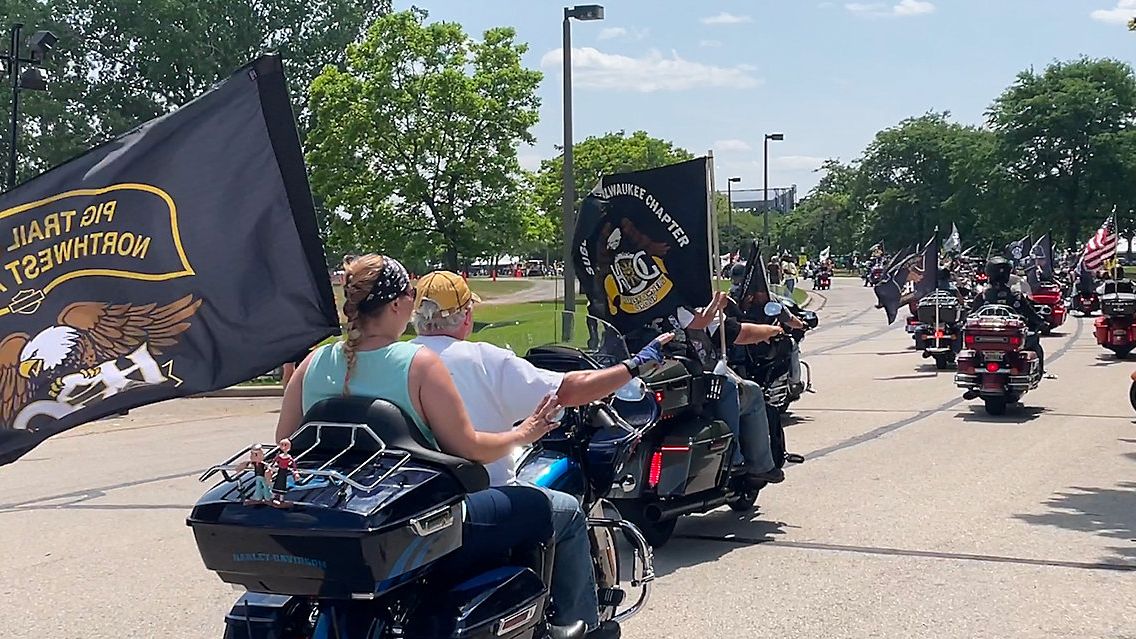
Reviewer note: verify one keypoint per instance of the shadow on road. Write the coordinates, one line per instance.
(681, 552)
(928, 375)
(1107, 512)
(1014, 414)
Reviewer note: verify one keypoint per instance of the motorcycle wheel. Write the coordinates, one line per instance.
(1123, 353)
(996, 406)
(942, 363)
(744, 501)
(1132, 395)
(657, 534)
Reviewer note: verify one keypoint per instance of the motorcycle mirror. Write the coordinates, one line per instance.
(632, 391)
(773, 309)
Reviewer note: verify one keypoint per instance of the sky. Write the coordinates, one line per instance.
(720, 74)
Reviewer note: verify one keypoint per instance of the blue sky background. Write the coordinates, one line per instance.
(829, 75)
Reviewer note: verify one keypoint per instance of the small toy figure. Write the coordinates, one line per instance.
(261, 491)
(285, 466)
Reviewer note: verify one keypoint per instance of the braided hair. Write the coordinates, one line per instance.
(370, 283)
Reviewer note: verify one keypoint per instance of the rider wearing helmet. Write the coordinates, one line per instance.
(998, 271)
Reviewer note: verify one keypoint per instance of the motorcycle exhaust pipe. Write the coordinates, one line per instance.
(665, 511)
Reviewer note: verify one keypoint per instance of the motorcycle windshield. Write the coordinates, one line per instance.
(580, 331)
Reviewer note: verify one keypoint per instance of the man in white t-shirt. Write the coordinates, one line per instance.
(500, 388)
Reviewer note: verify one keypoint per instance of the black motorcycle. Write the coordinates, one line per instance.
(366, 549)
(939, 335)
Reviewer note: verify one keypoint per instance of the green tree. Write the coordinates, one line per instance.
(417, 136)
(119, 63)
(1066, 137)
(594, 158)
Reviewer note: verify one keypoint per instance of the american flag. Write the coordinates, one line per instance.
(1101, 246)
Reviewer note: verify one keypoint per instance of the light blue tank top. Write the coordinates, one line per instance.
(383, 373)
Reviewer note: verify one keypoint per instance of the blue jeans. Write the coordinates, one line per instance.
(573, 578)
(522, 515)
(747, 419)
(790, 283)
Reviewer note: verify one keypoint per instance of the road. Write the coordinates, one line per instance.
(914, 516)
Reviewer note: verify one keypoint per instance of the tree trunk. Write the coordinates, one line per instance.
(451, 256)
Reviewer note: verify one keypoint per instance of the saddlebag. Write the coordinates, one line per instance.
(506, 602)
(689, 457)
(1118, 304)
(260, 616)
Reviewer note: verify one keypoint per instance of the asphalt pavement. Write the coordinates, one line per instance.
(915, 514)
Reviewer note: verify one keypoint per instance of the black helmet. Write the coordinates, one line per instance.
(998, 270)
(737, 272)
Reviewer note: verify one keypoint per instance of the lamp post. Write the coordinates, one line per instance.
(32, 79)
(584, 12)
(730, 200)
(765, 198)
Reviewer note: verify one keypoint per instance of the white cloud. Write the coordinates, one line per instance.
(797, 162)
(1124, 11)
(595, 69)
(903, 8)
(611, 33)
(731, 145)
(710, 44)
(726, 18)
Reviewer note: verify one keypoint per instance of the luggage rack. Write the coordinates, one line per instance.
(344, 476)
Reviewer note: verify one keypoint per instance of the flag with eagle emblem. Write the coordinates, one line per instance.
(179, 258)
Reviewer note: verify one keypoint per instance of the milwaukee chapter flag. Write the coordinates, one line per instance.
(642, 243)
(179, 258)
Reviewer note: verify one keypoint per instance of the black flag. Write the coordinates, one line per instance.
(1018, 251)
(910, 280)
(642, 244)
(1040, 267)
(755, 287)
(179, 258)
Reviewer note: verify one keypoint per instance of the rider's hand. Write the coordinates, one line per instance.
(651, 355)
(766, 332)
(541, 422)
(706, 315)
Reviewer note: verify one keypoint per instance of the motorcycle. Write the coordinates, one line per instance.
(875, 276)
(823, 281)
(938, 334)
(1132, 390)
(1115, 329)
(1050, 303)
(1085, 303)
(366, 547)
(994, 364)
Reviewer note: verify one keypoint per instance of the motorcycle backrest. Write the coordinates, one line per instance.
(393, 427)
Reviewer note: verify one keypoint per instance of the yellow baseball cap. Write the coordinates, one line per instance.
(446, 289)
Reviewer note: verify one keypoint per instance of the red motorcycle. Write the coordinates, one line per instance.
(994, 364)
(1052, 305)
(1086, 303)
(1115, 329)
(823, 281)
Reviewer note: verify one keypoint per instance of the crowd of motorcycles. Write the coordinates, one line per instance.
(362, 552)
(989, 347)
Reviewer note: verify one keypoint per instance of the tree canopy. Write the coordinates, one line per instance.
(116, 66)
(413, 145)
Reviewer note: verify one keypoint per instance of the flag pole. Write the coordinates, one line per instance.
(715, 268)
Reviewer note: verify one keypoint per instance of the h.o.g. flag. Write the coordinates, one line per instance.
(179, 258)
(642, 243)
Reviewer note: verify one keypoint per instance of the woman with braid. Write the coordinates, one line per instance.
(373, 362)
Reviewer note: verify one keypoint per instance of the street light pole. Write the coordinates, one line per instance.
(765, 197)
(40, 46)
(568, 217)
(14, 73)
(730, 200)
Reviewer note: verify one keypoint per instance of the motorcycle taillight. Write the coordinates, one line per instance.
(656, 469)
